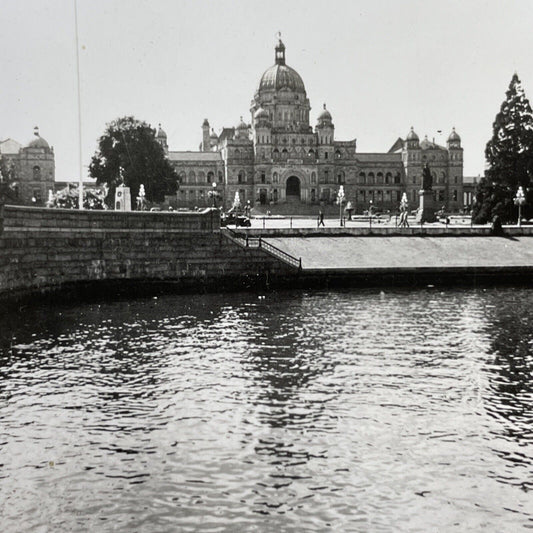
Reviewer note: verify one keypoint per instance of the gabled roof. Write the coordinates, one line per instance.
(398, 145)
(195, 156)
(227, 133)
(10, 146)
(429, 145)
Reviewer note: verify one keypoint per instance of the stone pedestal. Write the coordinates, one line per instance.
(122, 198)
(426, 208)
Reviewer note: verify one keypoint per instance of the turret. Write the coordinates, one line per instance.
(454, 141)
(325, 128)
(206, 146)
(161, 138)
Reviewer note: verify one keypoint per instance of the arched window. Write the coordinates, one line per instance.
(338, 154)
(443, 177)
(201, 176)
(275, 153)
(241, 177)
(36, 173)
(311, 152)
(237, 153)
(275, 178)
(362, 178)
(370, 179)
(220, 176)
(380, 177)
(210, 177)
(397, 178)
(340, 177)
(313, 178)
(284, 152)
(192, 177)
(388, 178)
(182, 177)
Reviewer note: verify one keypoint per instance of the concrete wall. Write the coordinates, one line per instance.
(46, 249)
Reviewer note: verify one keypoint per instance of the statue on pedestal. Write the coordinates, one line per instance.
(426, 209)
(427, 179)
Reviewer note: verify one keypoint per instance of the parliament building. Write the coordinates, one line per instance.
(279, 160)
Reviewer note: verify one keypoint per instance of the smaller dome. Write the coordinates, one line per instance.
(161, 133)
(412, 136)
(325, 115)
(454, 136)
(242, 125)
(261, 113)
(213, 135)
(37, 141)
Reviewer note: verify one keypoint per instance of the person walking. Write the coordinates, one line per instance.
(321, 219)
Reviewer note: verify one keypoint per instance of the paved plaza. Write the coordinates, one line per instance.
(278, 222)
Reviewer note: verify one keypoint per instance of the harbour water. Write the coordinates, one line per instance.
(374, 410)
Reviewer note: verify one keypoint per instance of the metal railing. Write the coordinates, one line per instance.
(257, 242)
(280, 254)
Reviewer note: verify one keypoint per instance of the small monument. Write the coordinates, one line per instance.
(122, 195)
(426, 208)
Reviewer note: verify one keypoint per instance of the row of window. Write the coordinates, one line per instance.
(201, 177)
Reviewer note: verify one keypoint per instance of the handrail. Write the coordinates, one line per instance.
(258, 242)
(280, 254)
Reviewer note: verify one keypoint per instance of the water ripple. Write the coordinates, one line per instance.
(297, 411)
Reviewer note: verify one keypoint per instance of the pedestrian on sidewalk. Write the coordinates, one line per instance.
(321, 219)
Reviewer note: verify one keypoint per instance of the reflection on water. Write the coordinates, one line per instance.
(293, 411)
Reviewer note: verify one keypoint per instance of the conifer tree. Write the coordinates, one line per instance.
(509, 155)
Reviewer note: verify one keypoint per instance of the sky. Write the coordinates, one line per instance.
(380, 67)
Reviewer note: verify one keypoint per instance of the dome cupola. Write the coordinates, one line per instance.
(454, 136)
(412, 136)
(161, 133)
(38, 141)
(325, 116)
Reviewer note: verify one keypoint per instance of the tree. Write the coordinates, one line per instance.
(509, 155)
(128, 152)
(8, 182)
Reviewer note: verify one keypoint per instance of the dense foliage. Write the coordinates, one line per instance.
(129, 153)
(509, 155)
(8, 182)
(68, 198)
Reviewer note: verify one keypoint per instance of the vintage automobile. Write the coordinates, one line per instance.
(238, 220)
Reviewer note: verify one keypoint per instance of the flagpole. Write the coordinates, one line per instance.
(80, 184)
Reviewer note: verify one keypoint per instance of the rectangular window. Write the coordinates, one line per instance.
(242, 195)
(455, 195)
(263, 177)
(325, 155)
(326, 176)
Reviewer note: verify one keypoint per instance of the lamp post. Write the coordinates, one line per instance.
(340, 201)
(214, 193)
(520, 200)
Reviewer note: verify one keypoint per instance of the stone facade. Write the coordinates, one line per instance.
(34, 169)
(279, 159)
(44, 250)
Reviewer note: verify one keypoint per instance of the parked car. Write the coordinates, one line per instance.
(238, 220)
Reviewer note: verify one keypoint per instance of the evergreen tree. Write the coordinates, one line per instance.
(509, 155)
(128, 152)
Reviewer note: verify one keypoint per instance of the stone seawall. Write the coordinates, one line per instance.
(45, 250)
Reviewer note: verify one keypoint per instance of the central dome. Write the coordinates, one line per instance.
(281, 77)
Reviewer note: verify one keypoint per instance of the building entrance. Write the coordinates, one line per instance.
(293, 189)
